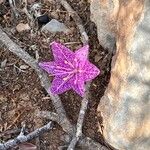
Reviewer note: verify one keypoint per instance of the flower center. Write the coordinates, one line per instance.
(77, 70)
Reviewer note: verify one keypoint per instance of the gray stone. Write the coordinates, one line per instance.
(125, 106)
(100, 14)
(55, 26)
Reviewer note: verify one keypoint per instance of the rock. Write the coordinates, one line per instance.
(22, 27)
(103, 16)
(24, 67)
(55, 26)
(125, 106)
(43, 19)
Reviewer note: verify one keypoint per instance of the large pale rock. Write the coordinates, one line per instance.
(102, 13)
(125, 106)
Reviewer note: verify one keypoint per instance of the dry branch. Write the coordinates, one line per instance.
(81, 117)
(14, 48)
(51, 116)
(24, 138)
(13, 8)
(25, 10)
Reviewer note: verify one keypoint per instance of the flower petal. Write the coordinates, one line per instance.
(77, 83)
(59, 85)
(48, 66)
(82, 53)
(63, 55)
(55, 69)
(90, 71)
(79, 87)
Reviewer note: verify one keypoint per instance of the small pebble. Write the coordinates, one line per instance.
(24, 67)
(22, 27)
(43, 19)
(55, 26)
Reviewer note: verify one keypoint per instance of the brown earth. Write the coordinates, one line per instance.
(20, 91)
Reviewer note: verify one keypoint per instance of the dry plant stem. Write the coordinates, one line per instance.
(13, 8)
(76, 19)
(14, 48)
(24, 138)
(53, 117)
(81, 117)
(24, 10)
(49, 115)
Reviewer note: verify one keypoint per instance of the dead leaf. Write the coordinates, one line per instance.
(27, 146)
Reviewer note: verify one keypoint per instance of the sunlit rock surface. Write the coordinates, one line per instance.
(125, 107)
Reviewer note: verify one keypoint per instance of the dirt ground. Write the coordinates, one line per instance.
(20, 91)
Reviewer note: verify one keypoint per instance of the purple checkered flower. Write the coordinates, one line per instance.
(71, 69)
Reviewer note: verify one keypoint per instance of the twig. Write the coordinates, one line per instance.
(49, 115)
(76, 19)
(52, 116)
(13, 7)
(81, 116)
(15, 120)
(24, 138)
(45, 82)
(25, 10)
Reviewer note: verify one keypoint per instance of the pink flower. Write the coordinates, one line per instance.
(71, 70)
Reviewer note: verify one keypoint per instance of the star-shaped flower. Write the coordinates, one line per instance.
(71, 69)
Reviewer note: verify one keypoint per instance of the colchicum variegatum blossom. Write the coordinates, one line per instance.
(71, 69)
